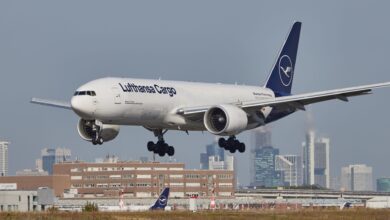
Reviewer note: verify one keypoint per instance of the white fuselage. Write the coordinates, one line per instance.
(153, 103)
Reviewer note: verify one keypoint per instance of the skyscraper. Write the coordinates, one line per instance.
(356, 177)
(4, 158)
(316, 160)
(265, 173)
(51, 156)
(227, 164)
(261, 137)
(383, 184)
(212, 150)
(321, 164)
(308, 158)
(290, 167)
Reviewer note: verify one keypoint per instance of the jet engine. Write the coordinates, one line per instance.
(225, 120)
(87, 130)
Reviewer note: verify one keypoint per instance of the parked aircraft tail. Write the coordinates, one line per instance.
(162, 200)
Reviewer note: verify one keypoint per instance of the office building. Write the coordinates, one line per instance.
(135, 178)
(138, 179)
(216, 164)
(38, 164)
(212, 150)
(383, 184)
(290, 167)
(321, 164)
(31, 172)
(265, 174)
(22, 201)
(315, 158)
(261, 137)
(52, 156)
(308, 158)
(56, 182)
(356, 177)
(4, 158)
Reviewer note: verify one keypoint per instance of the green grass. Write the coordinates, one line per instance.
(331, 214)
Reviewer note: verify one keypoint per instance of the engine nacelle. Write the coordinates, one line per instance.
(225, 120)
(85, 129)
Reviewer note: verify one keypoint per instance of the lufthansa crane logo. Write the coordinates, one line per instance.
(286, 70)
(162, 200)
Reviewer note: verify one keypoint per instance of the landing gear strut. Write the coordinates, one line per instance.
(161, 148)
(96, 134)
(231, 144)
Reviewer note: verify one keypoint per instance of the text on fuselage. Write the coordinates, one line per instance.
(131, 87)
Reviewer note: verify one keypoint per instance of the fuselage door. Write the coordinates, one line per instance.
(117, 95)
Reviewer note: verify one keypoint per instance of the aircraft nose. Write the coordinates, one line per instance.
(81, 107)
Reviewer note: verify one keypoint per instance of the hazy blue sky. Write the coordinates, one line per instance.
(49, 48)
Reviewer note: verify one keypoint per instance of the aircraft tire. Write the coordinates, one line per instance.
(151, 146)
(241, 147)
(171, 151)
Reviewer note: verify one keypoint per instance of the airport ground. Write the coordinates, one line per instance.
(303, 214)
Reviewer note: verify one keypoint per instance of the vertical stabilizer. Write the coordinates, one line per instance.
(162, 200)
(281, 78)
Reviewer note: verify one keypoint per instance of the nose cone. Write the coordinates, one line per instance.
(82, 106)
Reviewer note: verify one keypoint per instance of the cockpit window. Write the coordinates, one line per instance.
(89, 93)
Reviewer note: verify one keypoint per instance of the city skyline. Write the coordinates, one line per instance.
(262, 138)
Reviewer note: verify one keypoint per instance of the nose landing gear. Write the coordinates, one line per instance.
(232, 144)
(160, 147)
(96, 133)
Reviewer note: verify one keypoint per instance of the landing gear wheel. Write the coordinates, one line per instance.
(161, 148)
(222, 142)
(171, 151)
(151, 146)
(232, 144)
(97, 140)
(161, 153)
(241, 148)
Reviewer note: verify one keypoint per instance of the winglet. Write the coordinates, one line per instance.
(281, 77)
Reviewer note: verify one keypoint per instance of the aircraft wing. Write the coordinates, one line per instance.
(295, 101)
(53, 103)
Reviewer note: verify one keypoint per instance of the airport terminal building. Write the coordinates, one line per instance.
(145, 179)
(79, 179)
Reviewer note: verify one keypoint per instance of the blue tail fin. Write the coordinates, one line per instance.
(281, 78)
(162, 200)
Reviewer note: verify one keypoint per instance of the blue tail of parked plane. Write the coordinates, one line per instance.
(281, 77)
(162, 200)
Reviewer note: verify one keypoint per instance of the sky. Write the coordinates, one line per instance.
(50, 48)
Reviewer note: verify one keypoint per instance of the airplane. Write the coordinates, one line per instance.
(160, 204)
(105, 104)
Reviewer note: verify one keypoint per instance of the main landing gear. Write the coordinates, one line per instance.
(161, 148)
(231, 144)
